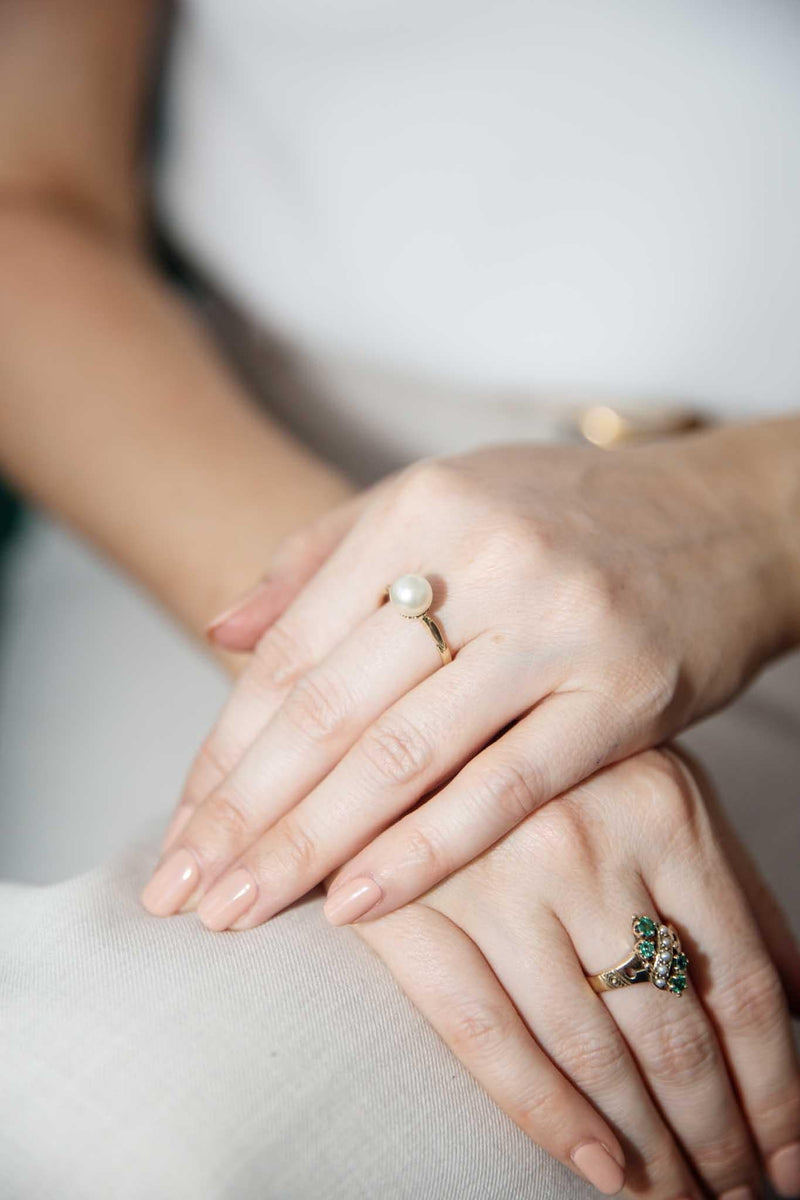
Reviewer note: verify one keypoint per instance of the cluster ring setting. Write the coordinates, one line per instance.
(657, 958)
(412, 596)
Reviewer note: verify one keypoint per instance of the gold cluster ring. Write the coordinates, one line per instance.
(657, 958)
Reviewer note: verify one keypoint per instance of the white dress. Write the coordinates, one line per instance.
(456, 217)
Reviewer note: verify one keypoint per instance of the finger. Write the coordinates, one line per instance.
(743, 996)
(535, 961)
(319, 721)
(323, 613)
(772, 922)
(447, 978)
(407, 750)
(677, 1052)
(241, 626)
(564, 738)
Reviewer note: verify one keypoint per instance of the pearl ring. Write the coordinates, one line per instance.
(412, 596)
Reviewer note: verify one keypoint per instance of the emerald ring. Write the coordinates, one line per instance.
(657, 958)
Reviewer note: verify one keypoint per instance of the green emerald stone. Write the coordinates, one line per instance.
(644, 927)
(677, 984)
(646, 950)
(681, 962)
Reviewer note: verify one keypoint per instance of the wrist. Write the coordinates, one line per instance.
(752, 476)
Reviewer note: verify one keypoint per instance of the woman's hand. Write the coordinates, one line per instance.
(595, 604)
(700, 1090)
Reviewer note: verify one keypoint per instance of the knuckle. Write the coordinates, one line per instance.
(680, 1052)
(776, 1113)
(423, 852)
(594, 1061)
(567, 839)
(536, 1109)
(523, 540)
(280, 658)
(727, 1156)
(315, 708)
(432, 480)
(479, 1029)
(296, 849)
(510, 788)
(754, 1002)
(396, 751)
(665, 797)
(208, 769)
(222, 823)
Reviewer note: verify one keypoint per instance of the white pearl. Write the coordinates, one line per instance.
(662, 983)
(411, 595)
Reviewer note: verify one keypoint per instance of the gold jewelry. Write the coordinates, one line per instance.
(657, 957)
(412, 596)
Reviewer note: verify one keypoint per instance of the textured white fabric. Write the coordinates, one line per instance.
(145, 1058)
(526, 193)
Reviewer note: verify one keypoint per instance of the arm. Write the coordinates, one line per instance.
(115, 411)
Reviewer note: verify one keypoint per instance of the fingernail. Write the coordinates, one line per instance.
(172, 884)
(180, 819)
(739, 1193)
(228, 900)
(235, 608)
(352, 900)
(598, 1165)
(783, 1168)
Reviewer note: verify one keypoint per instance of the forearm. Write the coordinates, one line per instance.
(117, 414)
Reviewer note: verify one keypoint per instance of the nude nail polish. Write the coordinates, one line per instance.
(603, 1171)
(235, 608)
(171, 885)
(351, 900)
(784, 1170)
(228, 900)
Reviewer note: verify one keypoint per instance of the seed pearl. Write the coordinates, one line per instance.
(411, 595)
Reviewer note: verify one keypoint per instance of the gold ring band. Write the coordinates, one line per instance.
(656, 958)
(412, 596)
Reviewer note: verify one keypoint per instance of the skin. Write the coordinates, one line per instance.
(700, 1089)
(595, 603)
(97, 353)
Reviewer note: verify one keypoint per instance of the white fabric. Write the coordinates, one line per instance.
(591, 194)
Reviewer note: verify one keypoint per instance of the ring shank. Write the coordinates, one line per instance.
(624, 974)
(438, 637)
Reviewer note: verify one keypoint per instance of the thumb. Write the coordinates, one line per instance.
(297, 558)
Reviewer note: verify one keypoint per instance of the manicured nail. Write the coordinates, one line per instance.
(235, 608)
(227, 900)
(172, 884)
(739, 1193)
(599, 1166)
(352, 900)
(783, 1168)
(180, 819)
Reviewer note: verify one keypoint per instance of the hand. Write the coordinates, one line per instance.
(700, 1090)
(595, 603)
